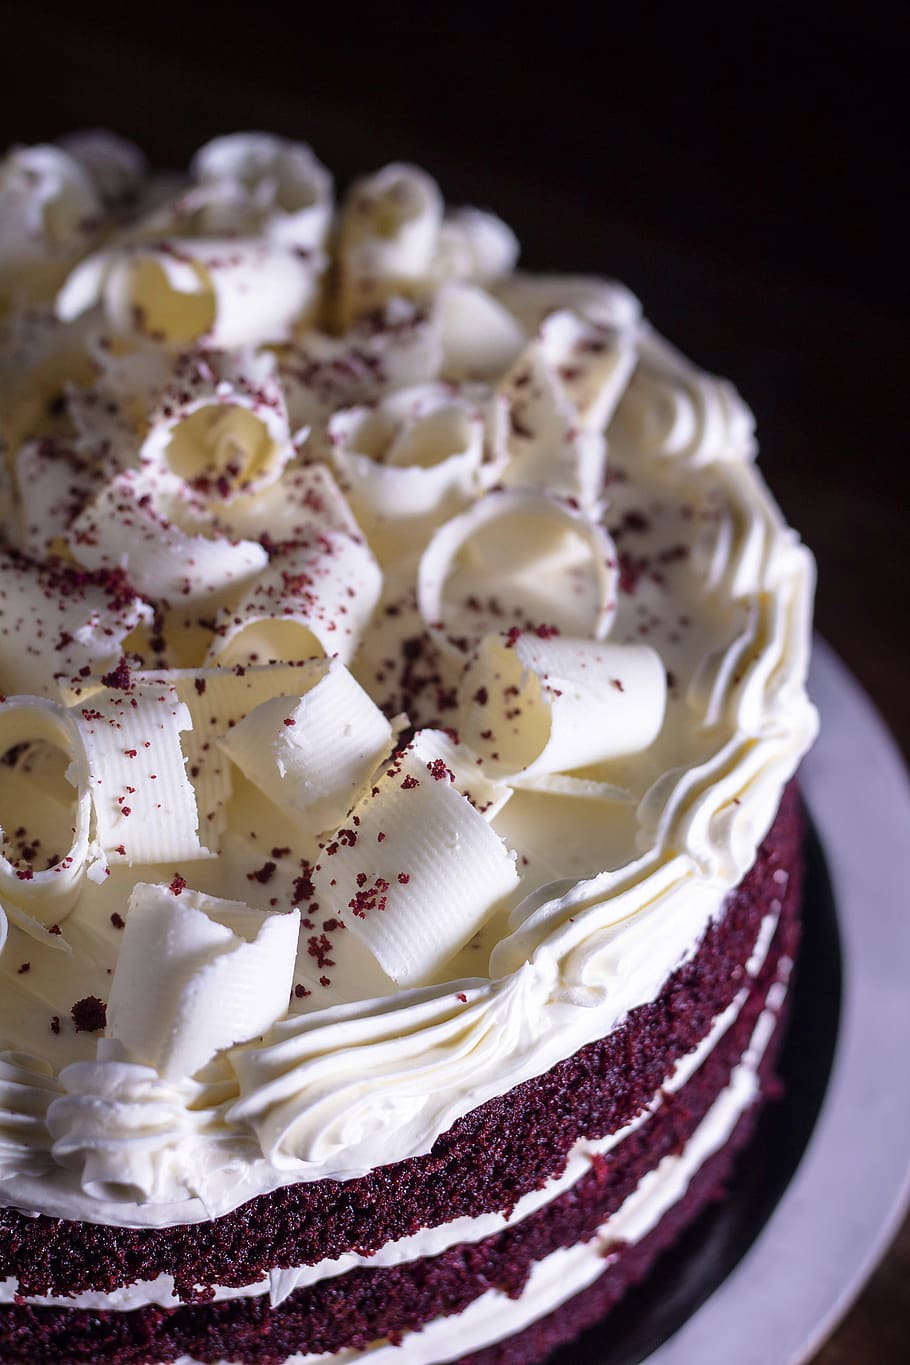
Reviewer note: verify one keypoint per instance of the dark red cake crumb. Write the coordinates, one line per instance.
(119, 678)
(89, 1014)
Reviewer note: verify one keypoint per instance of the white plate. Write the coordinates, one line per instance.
(850, 1192)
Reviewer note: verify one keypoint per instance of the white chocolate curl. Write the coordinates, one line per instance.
(538, 706)
(197, 974)
(561, 393)
(322, 373)
(49, 207)
(145, 807)
(486, 795)
(417, 894)
(388, 238)
(60, 621)
(47, 894)
(313, 753)
(225, 293)
(418, 452)
(221, 426)
(53, 482)
(549, 562)
(305, 497)
(131, 525)
(281, 180)
(532, 298)
(315, 598)
(475, 245)
(218, 699)
(480, 339)
(590, 361)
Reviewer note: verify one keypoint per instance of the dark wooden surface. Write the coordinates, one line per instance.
(742, 181)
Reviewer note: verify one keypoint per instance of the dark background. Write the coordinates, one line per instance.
(740, 170)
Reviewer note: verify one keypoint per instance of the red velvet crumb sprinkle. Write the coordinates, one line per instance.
(89, 1014)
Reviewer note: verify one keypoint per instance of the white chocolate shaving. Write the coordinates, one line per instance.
(221, 425)
(467, 773)
(47, 204)
(550, 563)
(36, 931)
(53, 483)
(224, 293)
(320, 373)
(388, 238)
(315, 598)
(217, 700)
(561, 393)
(46, 894)
(591, 362)
(475, 245)
(421, 891)
(145, 808)
(532, 298)
(535, 707)
(282, 180)
(197, 974)
(420, 451)
(313, 753)
(306, 496)
(130, 525)
(130, 371)
(480, 339)
(57, 623)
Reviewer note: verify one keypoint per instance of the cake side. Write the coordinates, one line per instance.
(626, 1193)
(402, 678)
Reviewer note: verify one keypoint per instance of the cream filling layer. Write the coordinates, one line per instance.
(569, 1271)
(280, 1283)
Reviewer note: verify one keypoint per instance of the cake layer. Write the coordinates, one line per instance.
(603, 1219)
(487, 1162)
(568, 1318)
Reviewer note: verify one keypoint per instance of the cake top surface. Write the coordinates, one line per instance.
(401, 659)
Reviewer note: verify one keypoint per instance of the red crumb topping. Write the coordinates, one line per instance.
(89, 1014)
(119, 677)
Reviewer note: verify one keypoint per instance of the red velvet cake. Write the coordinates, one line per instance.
(403, 678)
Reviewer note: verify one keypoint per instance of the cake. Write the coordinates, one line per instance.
(403, 671)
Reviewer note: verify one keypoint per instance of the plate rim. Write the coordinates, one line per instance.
(841, 1209)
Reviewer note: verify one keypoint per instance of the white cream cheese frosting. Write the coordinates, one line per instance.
(268, 532)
